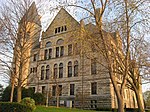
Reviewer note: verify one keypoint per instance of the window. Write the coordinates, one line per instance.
(31, 70)
(34, 69)
(70, 49)
(65, 28)
(47, 72)
(76, 68)
(60, 70)
(57, 52)
(71, 89)
(43, 89)
(94, 88)
(55, 71)
(61, 50)
(46, 55)
(48, 44)
(35, 57)
(93, 66)
(94, 104)
(55, 30)
(69, 69)
(60, 90)
(60, 29)
(60, 42)
(50, 53)
(42, 73)
(53, 90)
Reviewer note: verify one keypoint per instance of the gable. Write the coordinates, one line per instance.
(62, 19)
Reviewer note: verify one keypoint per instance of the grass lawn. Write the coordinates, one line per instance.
(54, 109)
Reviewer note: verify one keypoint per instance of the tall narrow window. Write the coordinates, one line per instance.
(60, 70)
(94, 88)
(93, 66)
(35, 57)
(61, 50)
(47, 72)
(65, 28)
(76, 68)
(46, 55)
(62, 29)
(58, 29)
(69, 69)
(53, 90)
(43, 89)
(42, 73)
(60, 90)
(70, 49)
(55, 30)
(57, 52)
(55, 71)
(71, 89)
(50, 53)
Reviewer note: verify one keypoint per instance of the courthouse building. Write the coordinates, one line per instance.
(58, 67)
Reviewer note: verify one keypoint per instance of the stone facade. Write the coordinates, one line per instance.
(58, 70)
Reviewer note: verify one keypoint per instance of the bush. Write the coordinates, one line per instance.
(29, 102)
(39, 99)
(14, 107)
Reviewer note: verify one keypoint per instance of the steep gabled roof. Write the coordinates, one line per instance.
(62, 18)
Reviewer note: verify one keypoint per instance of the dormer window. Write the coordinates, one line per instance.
(60, 29)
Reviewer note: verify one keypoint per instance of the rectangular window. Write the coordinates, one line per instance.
(60, 90)
(45, 54)
(55, 30)
(71, 89)
(58, 29)
(57, 52)
(69, 71)
(65, 28)
(93, 66)
(94, 104)
(35, 57)
(50, 53)
(70, 49)
(94, 88)
(61, 50)
(43, 89)
(53, 90)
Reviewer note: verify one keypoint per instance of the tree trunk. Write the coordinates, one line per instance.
(120, 105)
(139, 102)
(12, 93)
(19, 93)
(57, 98)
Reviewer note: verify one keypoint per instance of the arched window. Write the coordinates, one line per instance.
(76, 68)
(42, 73)
(59, 49)
(55, 71)
(60, 70)
(47, 72)
(69, 69)
(48, 44)
(60, 42)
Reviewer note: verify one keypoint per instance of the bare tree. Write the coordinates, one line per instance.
(20, 35)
